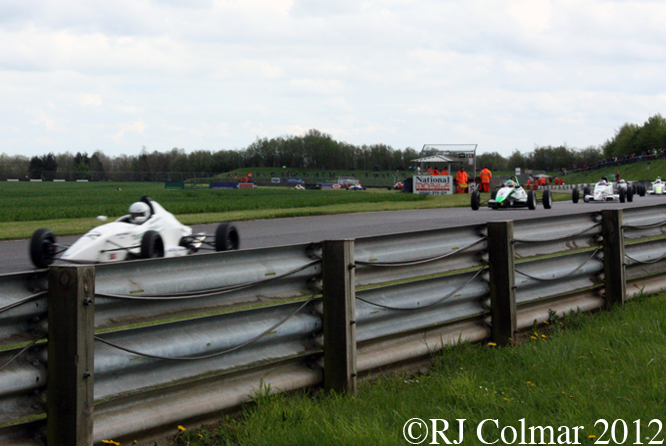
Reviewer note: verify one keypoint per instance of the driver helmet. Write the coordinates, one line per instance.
(603, 181)
(139, 212)
(510, 183)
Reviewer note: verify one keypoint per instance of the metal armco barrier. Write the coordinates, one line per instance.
(117, 351)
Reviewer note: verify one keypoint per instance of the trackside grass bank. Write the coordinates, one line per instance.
(591, 378)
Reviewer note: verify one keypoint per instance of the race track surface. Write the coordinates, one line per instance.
(287, 231)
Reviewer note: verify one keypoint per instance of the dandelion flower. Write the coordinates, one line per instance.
(592, 437)
(111, 442)
(181, 428)
(491, 344)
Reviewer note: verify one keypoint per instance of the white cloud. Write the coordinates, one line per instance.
(215, 74)
(136, 126)
(90, 99)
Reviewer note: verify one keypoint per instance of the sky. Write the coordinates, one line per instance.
(82, 76)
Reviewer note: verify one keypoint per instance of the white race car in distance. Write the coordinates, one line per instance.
(157, 234)
(657, 188)
(605, 191)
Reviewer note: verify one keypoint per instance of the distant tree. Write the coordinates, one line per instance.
(36, 167)
(493, 160)
(517, 159)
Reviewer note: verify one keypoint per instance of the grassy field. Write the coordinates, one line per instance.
(71, 208)
(608, 366)
(630, 172)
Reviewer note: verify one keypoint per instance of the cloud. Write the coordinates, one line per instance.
(215, 74)
(90, 99)
(136, 126)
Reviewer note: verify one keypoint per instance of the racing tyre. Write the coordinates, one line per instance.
(547, 199)
(42, 248)
(630, 195)
(476, 200)
(586, 190)
(531, 200)
(151, 245)
(623, 195)
(641, 190)
(493, 194)
(226, 237)
(575, 195)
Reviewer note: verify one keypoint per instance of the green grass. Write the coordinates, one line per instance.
(71, 208)
(630, 172)
(587, 367)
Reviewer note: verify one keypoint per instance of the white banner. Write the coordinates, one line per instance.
(433, 184)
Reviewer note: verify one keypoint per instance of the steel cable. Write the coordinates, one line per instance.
(23, 350)
(650, 226)
(646, 262)
(418, 262)
(20, 302)
(209, 292)
(212, 355)
(554, 239)
(569, 274)
(431, 303)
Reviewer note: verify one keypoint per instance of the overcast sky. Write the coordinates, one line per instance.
(216, 74)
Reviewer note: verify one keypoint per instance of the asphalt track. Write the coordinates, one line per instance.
(288, 231)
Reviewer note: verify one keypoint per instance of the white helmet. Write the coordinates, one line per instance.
(139, 212)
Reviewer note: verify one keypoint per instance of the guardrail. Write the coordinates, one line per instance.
(140, 347)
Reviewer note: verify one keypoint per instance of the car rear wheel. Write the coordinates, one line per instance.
(575, 195)
(226, 237)
(152, 246)
(623, 195)
(42, 248)
(586, 190)
(630, 195)
(547, 199)
(531, 200)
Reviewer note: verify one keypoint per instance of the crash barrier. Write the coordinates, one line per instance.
(138, 348)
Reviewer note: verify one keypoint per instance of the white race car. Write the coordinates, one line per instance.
(657, 188)
(605, 191)
(149, 231)
(512, 195)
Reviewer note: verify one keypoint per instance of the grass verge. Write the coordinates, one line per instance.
(609, 366)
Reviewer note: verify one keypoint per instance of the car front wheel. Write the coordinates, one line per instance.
(226, 237)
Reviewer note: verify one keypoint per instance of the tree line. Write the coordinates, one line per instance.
(317, 150)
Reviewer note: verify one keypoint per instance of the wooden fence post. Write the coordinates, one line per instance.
(615, 284)
(69, 389)
(502, 281)
(339, 316)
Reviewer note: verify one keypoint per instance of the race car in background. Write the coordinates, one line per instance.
(512, 195)
(605, 191)
(657, 188)
(149, 231)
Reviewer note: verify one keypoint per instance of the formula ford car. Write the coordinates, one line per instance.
(605, 191)
(657, 188)
(149, 231)
(511, 195)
